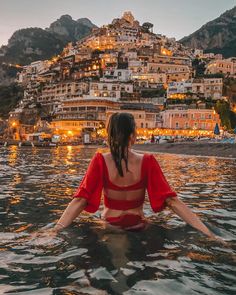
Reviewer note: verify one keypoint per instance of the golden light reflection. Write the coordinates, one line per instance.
(15, 200)
(56, 153)
(23, 228)
(34, 151)
(12, 158)
(69, 191)
(200, 257)
(69, 149)
(17, 178)
(68, 155)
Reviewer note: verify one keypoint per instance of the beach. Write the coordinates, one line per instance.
(225, 150)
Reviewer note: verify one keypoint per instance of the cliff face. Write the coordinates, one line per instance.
(33, 44)
(218, 36)
(71, 30)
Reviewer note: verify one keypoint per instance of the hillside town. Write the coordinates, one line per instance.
(125, 67)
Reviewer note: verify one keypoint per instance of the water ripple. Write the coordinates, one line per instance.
(169, 258)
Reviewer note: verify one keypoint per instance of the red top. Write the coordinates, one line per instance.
(97, 178)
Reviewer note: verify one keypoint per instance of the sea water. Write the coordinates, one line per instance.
(170, 257)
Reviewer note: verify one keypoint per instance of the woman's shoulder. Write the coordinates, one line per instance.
(145, 156)
(149, 160)
(104, 155)
(135, 156)
(98, 154)
(98, 157)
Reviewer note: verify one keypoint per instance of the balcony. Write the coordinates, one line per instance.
(89, 116)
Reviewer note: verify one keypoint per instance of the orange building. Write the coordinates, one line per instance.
(78, 114)
(196, 119)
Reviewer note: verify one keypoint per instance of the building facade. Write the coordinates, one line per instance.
(201, 119)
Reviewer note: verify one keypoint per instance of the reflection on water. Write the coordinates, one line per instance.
(168, 258)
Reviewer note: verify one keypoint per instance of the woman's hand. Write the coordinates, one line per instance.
(185, 213)
(43, 236)
(218, 240)
(49, 233)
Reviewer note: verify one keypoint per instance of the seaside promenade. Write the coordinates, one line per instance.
(215, 149)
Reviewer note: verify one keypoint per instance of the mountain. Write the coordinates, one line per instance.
(31, 44)
(71, 30)
(217, 36)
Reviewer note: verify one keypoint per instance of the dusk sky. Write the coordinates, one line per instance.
(174, 18)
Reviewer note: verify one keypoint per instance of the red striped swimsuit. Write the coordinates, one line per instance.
(97, 180)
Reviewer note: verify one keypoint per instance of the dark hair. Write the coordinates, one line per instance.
(120, 127)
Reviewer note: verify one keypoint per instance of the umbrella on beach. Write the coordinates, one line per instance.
(217, 129)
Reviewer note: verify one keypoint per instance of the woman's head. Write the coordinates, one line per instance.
(121, 133)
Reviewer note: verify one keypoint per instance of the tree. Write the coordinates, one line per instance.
(9, 97)
(227, 117)
(199, 66)
(147, 26)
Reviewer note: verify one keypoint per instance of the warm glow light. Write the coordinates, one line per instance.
(167, 52)
(145, 133)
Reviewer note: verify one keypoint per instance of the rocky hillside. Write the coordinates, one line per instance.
(9, 97)
(70, 30)
(31, 44)
(218, 36)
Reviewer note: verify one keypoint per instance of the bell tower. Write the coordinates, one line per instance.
(128, 16)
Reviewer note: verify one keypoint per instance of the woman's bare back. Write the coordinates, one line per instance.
(133, 175)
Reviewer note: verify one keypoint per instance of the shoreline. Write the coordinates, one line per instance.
(31, 144)
(200, 149)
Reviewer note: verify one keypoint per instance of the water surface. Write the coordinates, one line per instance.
(170, 257)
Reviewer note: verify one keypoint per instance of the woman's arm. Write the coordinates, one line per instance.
(75, 207)
(188, 216)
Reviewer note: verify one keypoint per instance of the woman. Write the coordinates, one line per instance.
(124, 176)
